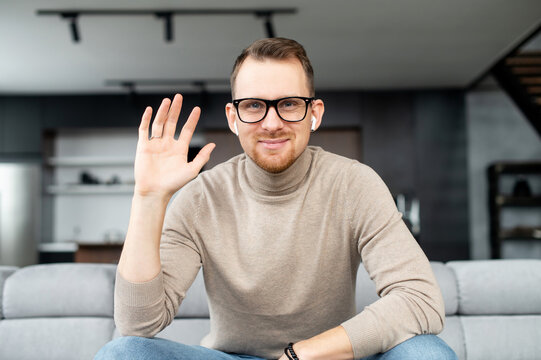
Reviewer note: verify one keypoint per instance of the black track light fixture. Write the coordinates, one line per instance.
(74, 27)
(167, 16)
(267, 23)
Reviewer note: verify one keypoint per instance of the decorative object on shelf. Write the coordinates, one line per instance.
(522, 188)
(115, 180)
(88, 179)
(409, 206)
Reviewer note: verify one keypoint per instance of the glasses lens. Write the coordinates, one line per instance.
(251, 110)
(292, 109)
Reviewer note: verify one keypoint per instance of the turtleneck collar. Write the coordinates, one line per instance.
(283, 183)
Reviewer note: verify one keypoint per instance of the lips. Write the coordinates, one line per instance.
(273, 144)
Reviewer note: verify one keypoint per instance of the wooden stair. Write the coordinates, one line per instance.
(519, 74)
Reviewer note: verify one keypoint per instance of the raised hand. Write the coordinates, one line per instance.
(161, 162)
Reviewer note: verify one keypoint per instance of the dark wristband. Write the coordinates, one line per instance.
(290, 353)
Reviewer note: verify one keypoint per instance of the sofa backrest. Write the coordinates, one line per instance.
(5, 272)
(57, 311)
(498, 287)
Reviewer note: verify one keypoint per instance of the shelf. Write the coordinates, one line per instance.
(77, 161)
(517, 168)
(521, 233)
(506, 200)
(90, 189)
(499, 202)
(58, 247)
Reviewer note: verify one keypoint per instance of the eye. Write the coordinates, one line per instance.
(289, 104)
(251, 105)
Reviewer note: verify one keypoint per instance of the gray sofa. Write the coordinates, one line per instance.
(65, 311)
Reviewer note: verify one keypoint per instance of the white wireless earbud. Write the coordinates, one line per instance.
(314, 121)
(236, 129)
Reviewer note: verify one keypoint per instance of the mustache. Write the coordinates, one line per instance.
(274, 135)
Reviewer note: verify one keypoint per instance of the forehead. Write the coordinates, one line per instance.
(271, 79)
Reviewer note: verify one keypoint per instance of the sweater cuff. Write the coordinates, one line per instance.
(139, 294)
(364, 335)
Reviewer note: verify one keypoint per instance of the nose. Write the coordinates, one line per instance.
(272, 121)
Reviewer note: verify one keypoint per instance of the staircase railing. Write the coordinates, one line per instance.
(518, 73)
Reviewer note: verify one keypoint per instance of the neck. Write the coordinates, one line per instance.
(282, 183)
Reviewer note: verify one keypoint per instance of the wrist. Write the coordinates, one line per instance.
(303, 351)
(151, 196)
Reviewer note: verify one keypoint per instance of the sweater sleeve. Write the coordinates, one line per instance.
(144, 309)
(410, 299)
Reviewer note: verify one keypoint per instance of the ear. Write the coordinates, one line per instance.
(318, 108)
(231, 115)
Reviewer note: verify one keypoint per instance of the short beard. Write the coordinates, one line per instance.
(275, 166)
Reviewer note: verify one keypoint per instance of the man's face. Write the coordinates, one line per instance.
(272, 143)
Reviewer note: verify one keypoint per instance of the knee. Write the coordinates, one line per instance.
(126, 347)
(428, 347)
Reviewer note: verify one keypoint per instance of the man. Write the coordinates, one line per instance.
(279, 231)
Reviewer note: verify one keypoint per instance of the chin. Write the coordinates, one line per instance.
(274, 164)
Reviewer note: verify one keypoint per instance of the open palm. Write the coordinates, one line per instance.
(161, 162)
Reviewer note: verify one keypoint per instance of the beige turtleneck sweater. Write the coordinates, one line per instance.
(280, 254)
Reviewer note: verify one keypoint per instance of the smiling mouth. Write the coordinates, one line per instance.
(273, 143)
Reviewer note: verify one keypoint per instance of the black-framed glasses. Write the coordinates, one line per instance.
(291, 108)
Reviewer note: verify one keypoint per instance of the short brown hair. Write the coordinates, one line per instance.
(276, 49)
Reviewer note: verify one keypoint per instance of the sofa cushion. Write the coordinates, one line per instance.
(453, 335)
(502, 337)
(60, 290)
(195, 304)
(447, 281)
(54, 338)
(365, 293)
(498, 287)
(5, 272)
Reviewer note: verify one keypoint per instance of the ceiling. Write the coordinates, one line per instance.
(355, 44)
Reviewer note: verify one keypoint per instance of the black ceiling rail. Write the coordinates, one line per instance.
(200, 85)
(166, 14)
(165, 82)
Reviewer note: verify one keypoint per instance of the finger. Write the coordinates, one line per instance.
(188, 129)
(172, 117)
(202, 157)
(145, 121)
(161, 115)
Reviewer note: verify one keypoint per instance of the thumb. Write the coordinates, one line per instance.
(203, 156)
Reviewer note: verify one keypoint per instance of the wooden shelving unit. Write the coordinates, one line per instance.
(499, 201)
